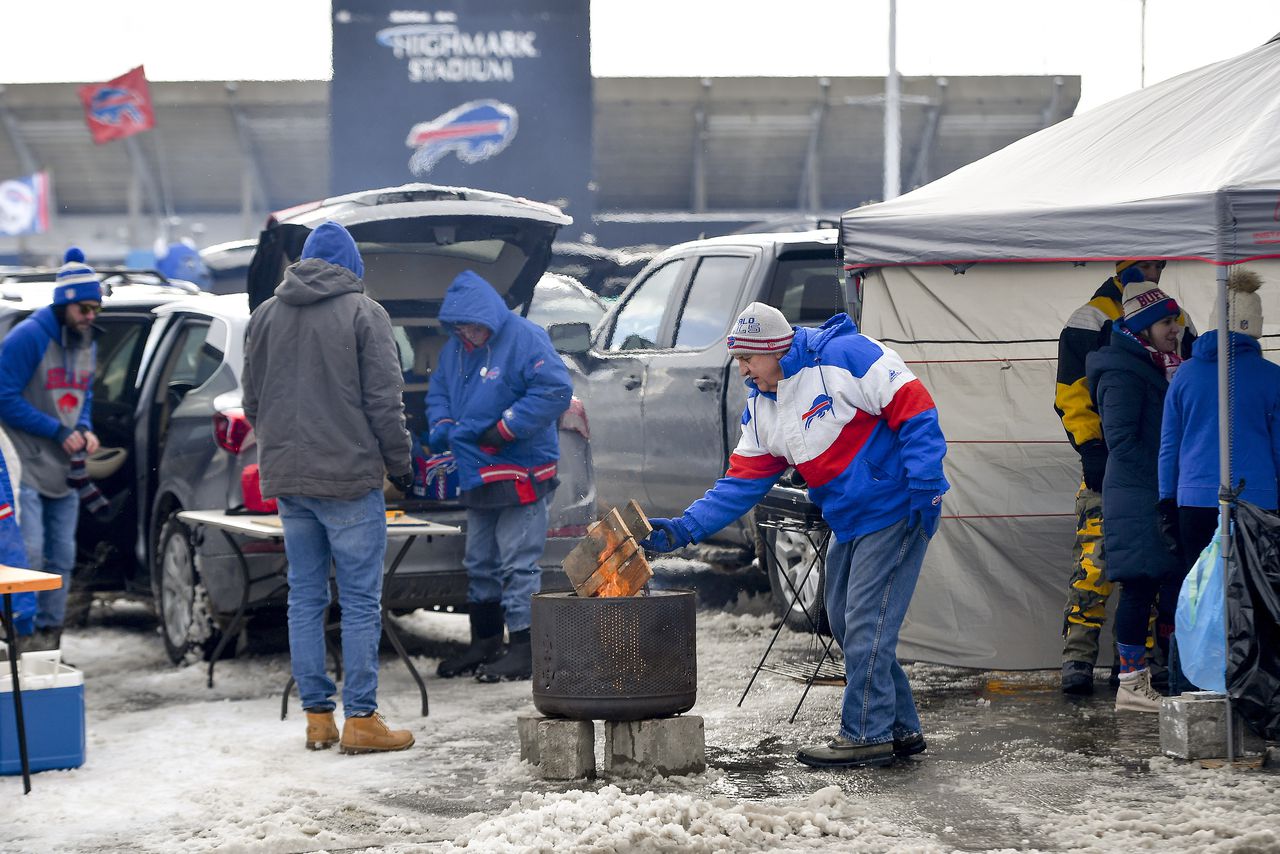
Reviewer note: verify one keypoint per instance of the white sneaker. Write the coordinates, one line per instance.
(1135, 693)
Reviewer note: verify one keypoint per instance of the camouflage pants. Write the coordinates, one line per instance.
(1087, 595)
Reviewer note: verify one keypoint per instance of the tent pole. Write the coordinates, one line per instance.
(892, 113)
(1224, 473)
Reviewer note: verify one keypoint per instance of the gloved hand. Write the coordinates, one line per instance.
(402, 482)
(493, 438)
(667, 536)
(1093, 460)
(1170, 530)
(438, 438)
(926, 510)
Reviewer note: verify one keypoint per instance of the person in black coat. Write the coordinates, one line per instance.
(1128, 379)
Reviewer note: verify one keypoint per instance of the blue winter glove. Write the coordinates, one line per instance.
(926, 510)
(438, 438)
(668, 535)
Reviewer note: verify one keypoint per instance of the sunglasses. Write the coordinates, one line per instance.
(89, 308)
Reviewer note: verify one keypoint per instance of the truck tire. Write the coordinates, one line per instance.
(181, 601)
(788, 555)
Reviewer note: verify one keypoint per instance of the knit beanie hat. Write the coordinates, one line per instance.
(1145, 305)
(1244, 306)
(76, 280)
(760, 328)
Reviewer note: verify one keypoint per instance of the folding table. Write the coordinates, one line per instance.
(269, 527)
(15, 580)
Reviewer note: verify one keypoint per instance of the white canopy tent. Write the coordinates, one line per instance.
(1187, 170)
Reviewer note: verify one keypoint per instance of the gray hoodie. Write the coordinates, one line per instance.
(322, 386)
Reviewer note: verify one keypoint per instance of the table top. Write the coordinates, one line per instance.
(15, 580)
(268, 527)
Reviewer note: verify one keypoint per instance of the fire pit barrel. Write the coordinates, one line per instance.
(622, 658)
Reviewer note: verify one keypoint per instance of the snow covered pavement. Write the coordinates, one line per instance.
(173, 766)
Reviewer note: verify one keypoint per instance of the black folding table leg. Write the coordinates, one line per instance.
(233, 628)
(390, 630)
(11, 635)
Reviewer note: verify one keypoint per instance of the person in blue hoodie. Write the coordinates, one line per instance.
(1128, 379)
(46, 397)
(13, 551)
(863, 431)
(1189, 440)
(495, 401)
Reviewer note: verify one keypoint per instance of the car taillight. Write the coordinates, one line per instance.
(575, 418)
(230, 429)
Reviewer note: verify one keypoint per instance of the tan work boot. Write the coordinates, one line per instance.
(371, 735)
(1135, 693)
(322, 732)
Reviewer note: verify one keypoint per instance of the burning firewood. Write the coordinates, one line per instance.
(609, 560)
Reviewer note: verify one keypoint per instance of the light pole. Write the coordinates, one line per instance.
(892, 106)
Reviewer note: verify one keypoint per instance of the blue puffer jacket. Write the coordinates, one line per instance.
(1189, 441)
(1129, 392)
(516, 378)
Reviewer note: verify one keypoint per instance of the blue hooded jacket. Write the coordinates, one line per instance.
(333, 243)
(515, 380)
(13, 552)
(1189, 439)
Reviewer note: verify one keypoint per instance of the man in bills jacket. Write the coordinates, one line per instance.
(863, 432)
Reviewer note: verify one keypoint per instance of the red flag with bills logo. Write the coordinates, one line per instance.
(119, 107)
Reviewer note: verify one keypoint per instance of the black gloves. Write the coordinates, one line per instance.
(1093, 459)
(492, 438)
(402, 482)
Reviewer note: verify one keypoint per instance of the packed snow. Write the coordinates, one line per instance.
(174, 766)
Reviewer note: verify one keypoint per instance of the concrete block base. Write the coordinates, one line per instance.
(1193, 725)
(561, 749)
(666, 746)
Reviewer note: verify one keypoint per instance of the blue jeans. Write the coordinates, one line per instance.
(869, 584)
(504, 545)
(49, 536)
(352, 536)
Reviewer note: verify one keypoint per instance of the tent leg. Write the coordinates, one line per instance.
(1224, 476)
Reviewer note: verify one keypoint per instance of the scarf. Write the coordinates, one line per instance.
(1166, 363)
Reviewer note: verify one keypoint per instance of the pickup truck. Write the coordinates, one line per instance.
(666, 401)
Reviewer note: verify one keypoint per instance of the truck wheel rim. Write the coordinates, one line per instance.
(794, 555)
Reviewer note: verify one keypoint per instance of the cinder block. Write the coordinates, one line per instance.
(527, 727)
(1194, 726)
(566, 749)
(666, 746)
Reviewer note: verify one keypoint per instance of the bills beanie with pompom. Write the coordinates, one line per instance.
(76, 280)
(759, 329)
(1145, 305)
(1244, 306)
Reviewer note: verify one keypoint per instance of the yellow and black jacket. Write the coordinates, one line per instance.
(1088, 329)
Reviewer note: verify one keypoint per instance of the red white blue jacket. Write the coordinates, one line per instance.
(854, 421)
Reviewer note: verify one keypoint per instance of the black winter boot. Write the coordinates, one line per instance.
(516, 664)
(486, 642)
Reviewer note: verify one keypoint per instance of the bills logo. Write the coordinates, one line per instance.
(114, 105)
(475, 131)
(747, 326)
(68, 403)
(821, 406)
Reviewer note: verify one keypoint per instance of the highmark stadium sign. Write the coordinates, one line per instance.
(443, 53)
(491, 94)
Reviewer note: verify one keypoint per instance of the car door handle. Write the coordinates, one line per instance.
(705, 383)
(630, 381)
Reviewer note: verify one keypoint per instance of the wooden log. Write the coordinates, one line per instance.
(634, 519)
(604, 581)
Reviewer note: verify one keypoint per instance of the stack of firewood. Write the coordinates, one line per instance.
(609, 560)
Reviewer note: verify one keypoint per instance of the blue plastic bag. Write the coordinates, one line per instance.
(1199, 623)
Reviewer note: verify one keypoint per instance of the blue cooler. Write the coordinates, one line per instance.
(52, 708)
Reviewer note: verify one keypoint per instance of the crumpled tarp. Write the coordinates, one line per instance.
(1253, 620)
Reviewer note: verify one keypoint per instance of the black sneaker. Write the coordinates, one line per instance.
(840, 752)
(1077, 677)
(909, 745)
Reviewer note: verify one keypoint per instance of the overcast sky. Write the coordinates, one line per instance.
(84, 40)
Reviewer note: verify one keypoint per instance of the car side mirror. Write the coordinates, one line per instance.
(573, 339)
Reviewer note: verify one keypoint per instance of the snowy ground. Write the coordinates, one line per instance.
(173, 766)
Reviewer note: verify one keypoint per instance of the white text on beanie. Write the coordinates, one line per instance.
(760, 328)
